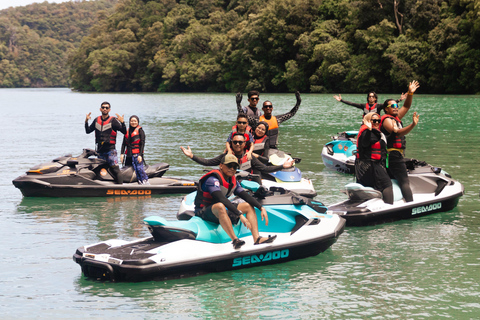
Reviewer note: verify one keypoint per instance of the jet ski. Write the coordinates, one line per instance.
(193, 247)
(433, 189)
(290, 179)
(83, 176)
(339, 154)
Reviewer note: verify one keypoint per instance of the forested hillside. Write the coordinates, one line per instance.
(282, 45)
(36, 40)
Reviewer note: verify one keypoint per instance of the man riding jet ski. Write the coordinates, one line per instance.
(281, 173)
(83, 176)
(177, 249)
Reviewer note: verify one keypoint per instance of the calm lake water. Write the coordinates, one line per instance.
(426, 268)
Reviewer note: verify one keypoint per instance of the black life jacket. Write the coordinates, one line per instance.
(393, 140)
(377, 151)
(104, 132)
(204, 198)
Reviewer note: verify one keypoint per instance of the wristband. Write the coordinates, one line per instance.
(410, 93)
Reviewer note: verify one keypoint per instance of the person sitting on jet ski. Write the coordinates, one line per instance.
(391, 125)
(106, 128)
(371, 105)
(261, 142)
(241, 126)
(133, 145)
(273, 121)
(254, 165)
(370, 169)
(212, 204)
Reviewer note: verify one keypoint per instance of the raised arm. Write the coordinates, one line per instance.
(238, 98)
(412, 87)
(284, 117)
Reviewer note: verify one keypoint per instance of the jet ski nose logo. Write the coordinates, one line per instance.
(103, 172)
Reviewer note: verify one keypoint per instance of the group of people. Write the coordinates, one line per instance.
(381, 144)
(380, 155)
(106, 128)
(247, 148)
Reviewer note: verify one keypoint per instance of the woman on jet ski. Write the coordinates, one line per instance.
(370, 168)
(133, 145)
(261, 143)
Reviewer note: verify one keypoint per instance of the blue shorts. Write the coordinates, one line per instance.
(110, 157)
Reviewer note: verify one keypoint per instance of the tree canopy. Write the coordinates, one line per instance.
(36, 40)
(270, 45)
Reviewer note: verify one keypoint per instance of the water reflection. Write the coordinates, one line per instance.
(102, 218)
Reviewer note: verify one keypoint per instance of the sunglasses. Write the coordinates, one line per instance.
(232, 165)
(238, 142)
(241, 122)
(254, 99)
(375, 120)
(394, 105)
(105, 107)
(268, 106)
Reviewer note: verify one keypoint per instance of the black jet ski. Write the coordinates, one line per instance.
(193, 247)
(433, 189)
(339, 154)
(86, 176)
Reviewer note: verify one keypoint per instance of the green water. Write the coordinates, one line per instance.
(426, 268)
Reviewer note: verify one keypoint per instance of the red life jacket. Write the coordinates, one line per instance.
(248, 129)
(245, 164)
(393, 140)
(259, 145)
(375, 150)
(134, 142)
(204, 198)
(369, 108)
(104, 131)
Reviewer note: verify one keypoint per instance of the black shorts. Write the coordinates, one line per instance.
(207, 215)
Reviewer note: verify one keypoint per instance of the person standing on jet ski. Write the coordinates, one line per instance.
(133, 145)
(273, 121)
(254, 165)
(391, 125)
(106, 128)
(251, 109)
(212, 204)
(370, 169)
(370, 106)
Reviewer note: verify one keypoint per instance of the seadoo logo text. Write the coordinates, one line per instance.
(423, 209)
(273, 255)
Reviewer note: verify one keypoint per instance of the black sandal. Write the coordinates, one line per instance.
(237, 243)
(270, 239)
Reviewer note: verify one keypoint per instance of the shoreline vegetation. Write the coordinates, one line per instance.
(318, 46)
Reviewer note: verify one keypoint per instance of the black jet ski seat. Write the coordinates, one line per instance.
(356, 191)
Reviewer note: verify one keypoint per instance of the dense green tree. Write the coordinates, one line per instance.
(36, 40)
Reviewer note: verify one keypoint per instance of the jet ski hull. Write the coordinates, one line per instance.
(145, 269)
(83, 176)
(432, 192)
(193, 247)
(339, 154)
(163, 185)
